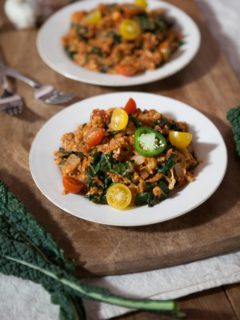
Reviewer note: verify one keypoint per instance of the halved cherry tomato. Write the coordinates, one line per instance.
(119, 120)
(72, 185)
(129, 29)
(94, 137)
(130, 106)
(119, 196)
(180, 139)
(94, 17)
(126, 70)
(141, 3)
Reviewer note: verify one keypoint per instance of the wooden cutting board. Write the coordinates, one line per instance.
(209, 85)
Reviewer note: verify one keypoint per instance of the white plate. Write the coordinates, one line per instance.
(208, 144)
(51, 51)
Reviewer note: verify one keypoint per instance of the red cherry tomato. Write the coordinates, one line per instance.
(94, 137)
(130, 106)
(72, 185)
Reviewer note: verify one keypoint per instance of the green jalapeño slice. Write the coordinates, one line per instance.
(148, 142)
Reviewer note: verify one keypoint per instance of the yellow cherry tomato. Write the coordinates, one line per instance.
(141, 3)
(119, 196)
(119, 120)
(180, 139)
(94, 17)
(129, 29)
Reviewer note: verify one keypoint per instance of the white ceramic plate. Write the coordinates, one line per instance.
(51, 51)
(208, 144)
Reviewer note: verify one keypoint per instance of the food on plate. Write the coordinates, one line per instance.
(127, 156)
(122, 38)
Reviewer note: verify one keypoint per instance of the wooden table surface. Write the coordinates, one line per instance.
(20, 51)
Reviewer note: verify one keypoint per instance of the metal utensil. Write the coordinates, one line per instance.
(10, 102)
(45, 93)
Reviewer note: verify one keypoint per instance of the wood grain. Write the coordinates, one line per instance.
(233, 294)
(209, 85)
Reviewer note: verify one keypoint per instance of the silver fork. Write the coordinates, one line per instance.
(45, 93)
(10, 102)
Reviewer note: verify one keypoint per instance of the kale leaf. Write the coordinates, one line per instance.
(148, 198)
(167, 165)
(27, 251)
(101, 164)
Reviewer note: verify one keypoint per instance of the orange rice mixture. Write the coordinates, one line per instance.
(121, 39)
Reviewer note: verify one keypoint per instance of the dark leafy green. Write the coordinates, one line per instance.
(97, 51)
(146, 23)
(70, 53)
(167, 165)
(169, 123)
(27, 251)
(115, 37)
(233, 116)
(135, 121)
(101, 164)
(148, 198)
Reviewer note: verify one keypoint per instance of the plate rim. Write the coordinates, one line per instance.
(110, 80)
(138, 223)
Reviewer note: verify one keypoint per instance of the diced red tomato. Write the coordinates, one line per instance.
(72, 185)
(130, 106)
(94, 137)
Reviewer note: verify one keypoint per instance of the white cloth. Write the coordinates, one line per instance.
(222, 18)
(24, 300)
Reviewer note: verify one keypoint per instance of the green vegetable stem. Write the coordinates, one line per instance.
(27, 251)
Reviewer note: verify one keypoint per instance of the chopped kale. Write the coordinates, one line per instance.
(161, 23)
(82, 31)
(162, 122)
(99, 199)
(113, 133)
(135, 121)
(97, 51)
(141, 198)
(98, 170)
(115, 37)
(167, 165)
(70, 53)
(146, 23)
(148, 198)
(174, 126)
(171, 124)
(103, 163)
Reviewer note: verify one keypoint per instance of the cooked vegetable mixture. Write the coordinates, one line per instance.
(126, 156)
(121, 39)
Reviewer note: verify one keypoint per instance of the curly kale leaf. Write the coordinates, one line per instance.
(25, 253)
(233, 116)
(22, 222)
